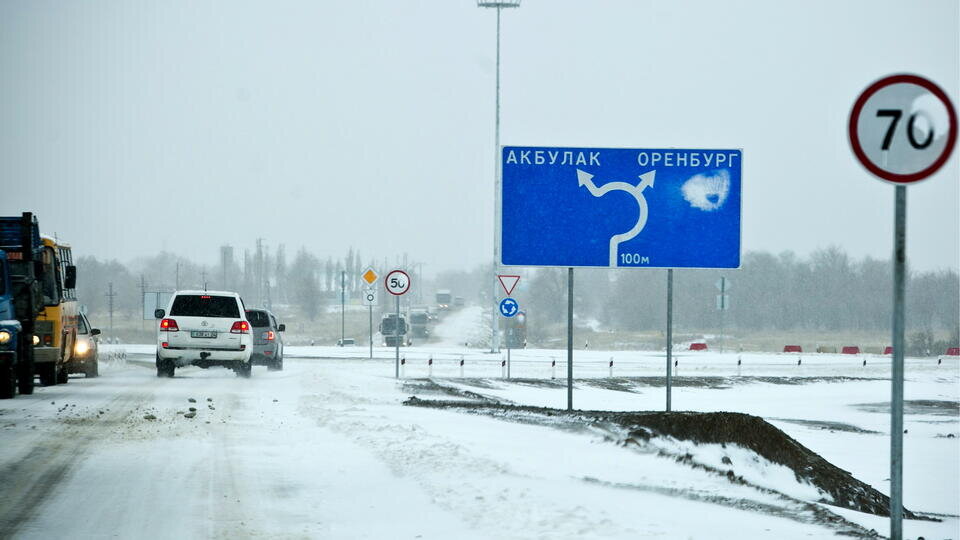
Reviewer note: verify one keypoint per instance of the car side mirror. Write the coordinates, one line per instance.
(70, 280)
(281, 328)
(159, 313)
(94, 331)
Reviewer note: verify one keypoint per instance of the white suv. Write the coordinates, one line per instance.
(203, 328)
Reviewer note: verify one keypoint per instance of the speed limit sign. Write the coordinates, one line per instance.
(903, 128)
(397, 282)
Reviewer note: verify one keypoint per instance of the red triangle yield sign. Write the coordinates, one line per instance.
(508, 283)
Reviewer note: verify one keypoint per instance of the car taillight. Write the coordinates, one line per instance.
(169, 325)
(48, 340)
(240, 327)
(269, 335)
(165, 345)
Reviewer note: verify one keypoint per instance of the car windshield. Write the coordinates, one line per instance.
(82, 327)
(258, 319)
(196, 305)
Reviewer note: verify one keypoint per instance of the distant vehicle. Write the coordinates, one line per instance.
(86, 352)
(419, 321)
(10, 329)
(392, 330)
(516, 331)
(267, 339)
(204, 329)
(458, 302)
(346, 341)
(444, 300)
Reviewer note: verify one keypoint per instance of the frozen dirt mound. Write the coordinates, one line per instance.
(744, 430)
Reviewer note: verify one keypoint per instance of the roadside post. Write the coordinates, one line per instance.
(901, 153)
(672, 208)
(343, 297)
(369, 276)
(397, 283)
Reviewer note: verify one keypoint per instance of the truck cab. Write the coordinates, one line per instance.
(393, 331)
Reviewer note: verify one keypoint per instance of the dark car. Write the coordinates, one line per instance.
(267, 340)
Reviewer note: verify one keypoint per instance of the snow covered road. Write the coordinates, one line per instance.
(325, 449)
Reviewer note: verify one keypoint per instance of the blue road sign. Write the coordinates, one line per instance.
(509, 307)
(616, 207)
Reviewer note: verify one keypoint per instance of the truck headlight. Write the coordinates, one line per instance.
(5, 337)
(82, 348)
(36, 340)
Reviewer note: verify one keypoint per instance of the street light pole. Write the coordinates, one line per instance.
(494, 319)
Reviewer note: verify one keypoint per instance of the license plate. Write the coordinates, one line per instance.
(203, 334)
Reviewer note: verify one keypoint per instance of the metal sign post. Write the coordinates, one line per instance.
(369, 276)
(397, 283)
(901, 153)
(370, 300)
(669, 332)
(569, 339)
(509, 308)
(722, 305)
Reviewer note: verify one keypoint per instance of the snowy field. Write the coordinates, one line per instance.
(326, 448)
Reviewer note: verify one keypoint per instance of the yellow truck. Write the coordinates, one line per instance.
(55, 332)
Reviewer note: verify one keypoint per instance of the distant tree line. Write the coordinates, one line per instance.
(825, 291)
(262, 276)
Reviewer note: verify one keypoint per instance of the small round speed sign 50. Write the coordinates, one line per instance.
(903, 128)
(397, 282)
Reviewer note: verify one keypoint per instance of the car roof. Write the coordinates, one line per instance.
(208, 293)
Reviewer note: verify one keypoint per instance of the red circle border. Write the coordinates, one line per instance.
(409, 282)
(855, 117)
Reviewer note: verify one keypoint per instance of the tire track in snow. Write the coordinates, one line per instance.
(31, 480)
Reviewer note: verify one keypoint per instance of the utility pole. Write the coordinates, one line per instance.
(143, 301)
(259, 271)
(110, 295)
(178, 275)
(494, 319)
(203, 278)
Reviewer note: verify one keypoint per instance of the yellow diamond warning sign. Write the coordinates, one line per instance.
(369, 275)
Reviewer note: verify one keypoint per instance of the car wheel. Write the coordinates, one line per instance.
(165, 368)
(47, 373)
(245, 369)
(275, 365)
(63, 376)
(93, 370)
(8, 380)
(25, 365)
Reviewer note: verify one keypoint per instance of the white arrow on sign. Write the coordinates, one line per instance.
(646, 181)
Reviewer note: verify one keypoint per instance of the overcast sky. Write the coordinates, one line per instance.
(130, 127)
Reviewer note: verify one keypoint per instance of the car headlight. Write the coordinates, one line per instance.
(5, 337)
(36, 340)
(82, 348)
